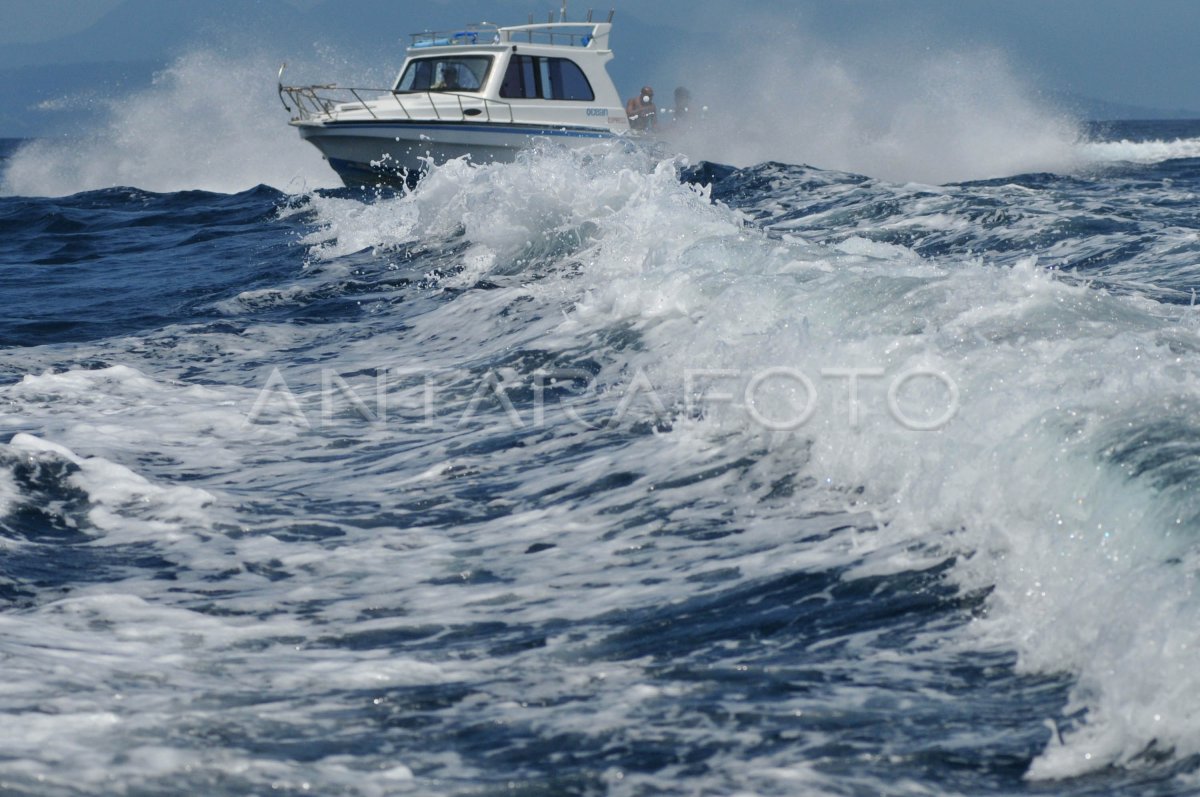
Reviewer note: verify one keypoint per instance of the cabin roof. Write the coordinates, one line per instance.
(591, 36)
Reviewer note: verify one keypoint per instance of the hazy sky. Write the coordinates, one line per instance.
(1143, 52)
(31, 21)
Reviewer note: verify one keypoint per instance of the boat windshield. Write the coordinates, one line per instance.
(447, 73)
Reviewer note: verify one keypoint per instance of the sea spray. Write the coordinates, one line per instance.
(208, 122)
(902, 113)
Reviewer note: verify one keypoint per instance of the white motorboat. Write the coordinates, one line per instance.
(483, 91)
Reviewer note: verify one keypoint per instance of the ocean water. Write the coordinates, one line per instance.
(599, 473)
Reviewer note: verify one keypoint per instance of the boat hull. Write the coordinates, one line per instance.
(394, 153)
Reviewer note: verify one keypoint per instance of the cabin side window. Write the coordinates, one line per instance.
(464, 73)
(531, 77)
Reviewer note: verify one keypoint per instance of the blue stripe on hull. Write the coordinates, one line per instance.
(371, 153)
(490, 129)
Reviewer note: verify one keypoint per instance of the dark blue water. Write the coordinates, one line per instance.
(484, 488)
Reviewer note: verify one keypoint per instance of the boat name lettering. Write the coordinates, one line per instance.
(597, 112)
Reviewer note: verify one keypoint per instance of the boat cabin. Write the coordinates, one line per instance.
(540, 72)
(485, 92)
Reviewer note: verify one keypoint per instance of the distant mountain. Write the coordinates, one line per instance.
(63, 98)
(1104, 111)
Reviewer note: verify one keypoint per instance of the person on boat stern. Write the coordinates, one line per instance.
(683, 99)
(641, 110)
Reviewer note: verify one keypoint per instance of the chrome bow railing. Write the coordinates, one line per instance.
(326, 102)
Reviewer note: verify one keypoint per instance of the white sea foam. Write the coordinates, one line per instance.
(123, 505)
(122, 638)
(10, 495)
(228, 623)
(97, 411)
(305, 538)
(1154, 151)
(1019, 482)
